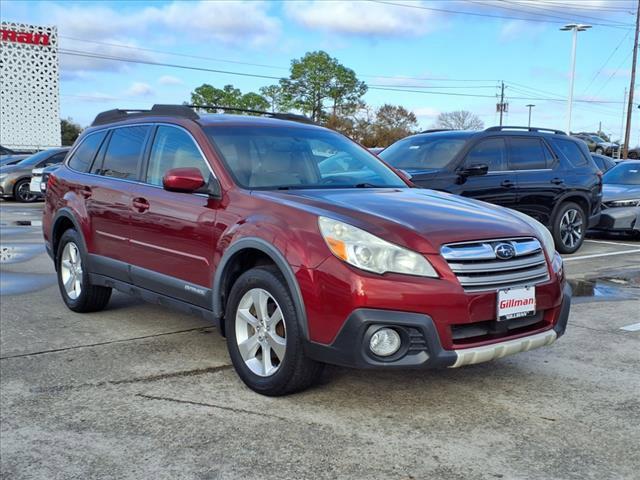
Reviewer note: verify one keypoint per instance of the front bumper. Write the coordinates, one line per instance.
(623, 219)
(422, 347)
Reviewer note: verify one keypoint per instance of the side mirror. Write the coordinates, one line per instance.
(186, 180)
(475, 170)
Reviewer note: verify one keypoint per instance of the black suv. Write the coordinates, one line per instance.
(543, 173)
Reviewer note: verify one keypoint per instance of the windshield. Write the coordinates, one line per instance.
(423, 152)
(284, 157)
(597, 139)
(624, 174)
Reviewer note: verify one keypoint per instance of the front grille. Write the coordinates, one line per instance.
(490, 329)
(479, 269)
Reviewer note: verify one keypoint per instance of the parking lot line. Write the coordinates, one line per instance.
(613, 243)
(597, 255)
(634, 327)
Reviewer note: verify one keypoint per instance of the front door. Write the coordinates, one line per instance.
(499, 185)
(172, 234)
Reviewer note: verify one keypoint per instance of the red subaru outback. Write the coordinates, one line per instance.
(302, 247)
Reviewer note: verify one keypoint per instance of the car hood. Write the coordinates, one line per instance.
(420, 219)
(616, 191)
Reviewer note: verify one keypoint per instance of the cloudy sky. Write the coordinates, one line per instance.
(429, 56)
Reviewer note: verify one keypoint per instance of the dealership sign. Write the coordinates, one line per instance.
(24, 37)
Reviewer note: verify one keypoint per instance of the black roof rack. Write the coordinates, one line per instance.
(281, 116)
(434, 130)
(185, 111)
(528, 129)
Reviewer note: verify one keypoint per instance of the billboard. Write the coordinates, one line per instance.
(29, 86)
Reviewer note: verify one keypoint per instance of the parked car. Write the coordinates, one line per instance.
(621, 199)
(603, 162)
(14, 179)
(634, 153)
(12, 159)
(230, 216)
(598, 144)
(10, 151)
(39, 178)
(543, 173)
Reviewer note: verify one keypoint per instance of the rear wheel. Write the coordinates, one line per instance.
(569, 227)
(22, 192)
(73, 279)
(264, 337)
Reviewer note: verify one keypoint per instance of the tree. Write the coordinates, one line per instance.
(392, 123)
(459, 120)
(228, 96)
(318, 82)
(69, 131)
(276, 98)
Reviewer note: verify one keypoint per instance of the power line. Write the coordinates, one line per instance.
(606, 62)
(615, 72)
(565, 17)
(486, 15)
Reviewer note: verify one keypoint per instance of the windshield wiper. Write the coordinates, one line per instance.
(366, 185)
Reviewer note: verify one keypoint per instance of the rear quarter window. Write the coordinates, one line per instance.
(572, 152)
(83, 156)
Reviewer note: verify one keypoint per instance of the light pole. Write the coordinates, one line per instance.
(530, 106)
(575, 28)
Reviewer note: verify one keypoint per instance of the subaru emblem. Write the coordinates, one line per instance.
(505, 251)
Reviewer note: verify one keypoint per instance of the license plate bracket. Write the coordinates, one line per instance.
(516, 303)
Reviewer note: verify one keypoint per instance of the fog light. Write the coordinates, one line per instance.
(385, 342)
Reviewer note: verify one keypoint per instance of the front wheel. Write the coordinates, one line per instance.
(569, 228)
(264, 337)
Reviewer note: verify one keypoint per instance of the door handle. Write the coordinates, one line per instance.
(140, 204)
(85, 191)
(557, 181)
(507, 184)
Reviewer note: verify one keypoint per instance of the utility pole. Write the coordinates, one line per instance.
(530, 106)
(627, 135)
(501, 104)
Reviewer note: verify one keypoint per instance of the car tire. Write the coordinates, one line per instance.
(22, 192)
(260, 313)
(599, 151)
(569, 227)
(73, 278)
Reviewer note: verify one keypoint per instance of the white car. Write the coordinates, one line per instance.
(39, 178)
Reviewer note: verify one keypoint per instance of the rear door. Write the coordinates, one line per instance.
(540, 183)
(173, 234)
(116, 173)
(498, 186)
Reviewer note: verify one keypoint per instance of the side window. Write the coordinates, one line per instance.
(571, 151)
(82, 158)
(124, 152)
(491, 152)
(527, 154)
(55, 159)
(173, 148)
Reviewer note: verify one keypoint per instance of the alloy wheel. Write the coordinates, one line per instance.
(71, 270)
(571, 228)
(24, 192)
(261, 332)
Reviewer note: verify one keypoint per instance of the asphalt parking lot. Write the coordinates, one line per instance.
(139, 391)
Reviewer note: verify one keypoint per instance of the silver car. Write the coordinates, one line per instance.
(14, 179)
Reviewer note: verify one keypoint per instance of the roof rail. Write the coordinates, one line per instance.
(281, 116)
(118, 115)
(434, 130)
(529, 129)
(186, 111)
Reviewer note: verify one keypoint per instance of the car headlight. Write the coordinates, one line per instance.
(368, 252)
(634, 202)
(543, 233)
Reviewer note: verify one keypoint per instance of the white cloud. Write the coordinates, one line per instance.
(99, 29)
(170, 80)
(363, 18)
(425, 112)
(139, 89)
